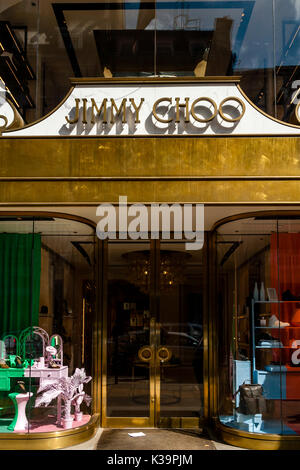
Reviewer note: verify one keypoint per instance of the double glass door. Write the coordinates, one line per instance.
(152, 372)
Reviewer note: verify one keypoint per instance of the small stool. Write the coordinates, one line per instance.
(20, 401)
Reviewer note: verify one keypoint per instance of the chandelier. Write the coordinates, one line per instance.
(171, 269)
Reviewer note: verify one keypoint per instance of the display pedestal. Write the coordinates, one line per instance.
(20, 401)
(250, 423)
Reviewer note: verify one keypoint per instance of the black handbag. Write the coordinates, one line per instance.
(251, 399)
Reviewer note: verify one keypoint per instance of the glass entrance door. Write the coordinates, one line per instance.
(180, 330)
(127, 358)
(153, 336)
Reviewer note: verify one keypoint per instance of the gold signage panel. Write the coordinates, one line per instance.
(173, 169)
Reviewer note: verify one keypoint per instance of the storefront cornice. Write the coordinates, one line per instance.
(129, 80)
(154, 107)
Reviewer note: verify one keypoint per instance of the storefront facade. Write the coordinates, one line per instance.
(165, 336)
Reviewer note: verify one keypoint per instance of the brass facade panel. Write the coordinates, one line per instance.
(262, 191)
(102, 296)
(152, 156)
(136, 422)
(211, 340)
(180, 422)
(212, 159)
(97, 333)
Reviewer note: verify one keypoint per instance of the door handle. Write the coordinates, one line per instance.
(145, 354)
(164, 354)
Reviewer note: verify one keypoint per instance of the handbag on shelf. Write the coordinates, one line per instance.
(251, 399)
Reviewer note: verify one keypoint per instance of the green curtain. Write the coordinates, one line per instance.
(20, 268)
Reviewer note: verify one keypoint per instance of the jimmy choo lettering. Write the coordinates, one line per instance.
(164, 110)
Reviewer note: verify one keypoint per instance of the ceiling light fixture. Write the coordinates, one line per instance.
(171, 269)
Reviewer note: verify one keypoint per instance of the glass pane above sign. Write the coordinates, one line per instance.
(43, 43)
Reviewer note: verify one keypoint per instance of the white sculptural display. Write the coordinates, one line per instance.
(77, 401)
(71, 391)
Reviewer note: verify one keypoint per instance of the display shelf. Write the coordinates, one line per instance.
(288, 330)
(274, 347)
(277, 327)
(286, 368)
(275, 301)
(279, 383)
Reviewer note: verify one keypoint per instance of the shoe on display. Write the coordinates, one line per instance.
(3, 364)
(270, 344)
(21, 386)
(275, 323)
(19, 362)
(53, 365)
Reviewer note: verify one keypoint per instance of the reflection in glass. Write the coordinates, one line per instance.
(258, 40)
(10, 345)
(45, 264)
(181, 332)
(128, 332)
(258, 303)
(34, 346)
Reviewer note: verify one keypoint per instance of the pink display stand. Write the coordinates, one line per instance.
(47, 373)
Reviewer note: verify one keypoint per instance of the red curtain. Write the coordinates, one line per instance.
(285, 264)
(285, 274)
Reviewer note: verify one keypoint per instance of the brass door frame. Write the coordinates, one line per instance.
(154, 419)
(184, 421)
(127, 422)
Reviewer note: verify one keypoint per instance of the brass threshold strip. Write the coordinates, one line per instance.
(150, 178)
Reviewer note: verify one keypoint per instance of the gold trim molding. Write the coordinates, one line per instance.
(249, 215)
(16, 123)
(135, 80)
(19, 124)
(44, 213)
(253, 441)
(295, 126)
(49, 440)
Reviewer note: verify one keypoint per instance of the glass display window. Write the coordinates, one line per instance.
(47, 289)
(259, 307)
